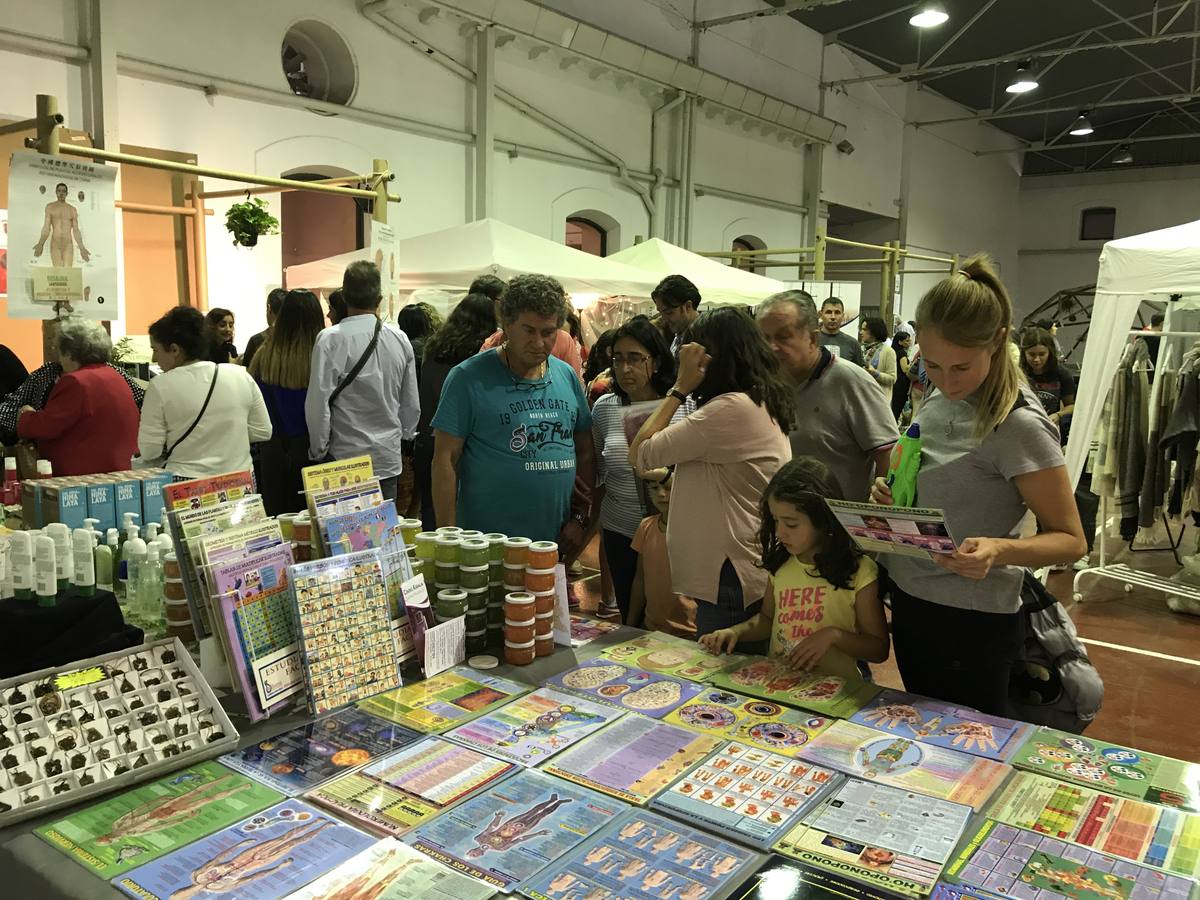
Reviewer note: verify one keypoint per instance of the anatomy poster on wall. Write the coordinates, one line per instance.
(384, 255)
(62, 245)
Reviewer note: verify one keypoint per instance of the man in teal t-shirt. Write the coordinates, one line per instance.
(513, 430)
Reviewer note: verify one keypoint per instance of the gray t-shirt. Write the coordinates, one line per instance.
(842, 418)
(843, 345)
(973, 482)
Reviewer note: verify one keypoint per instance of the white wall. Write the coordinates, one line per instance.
(1052, 255)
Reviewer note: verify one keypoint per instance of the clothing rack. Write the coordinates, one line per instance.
(1119, 571)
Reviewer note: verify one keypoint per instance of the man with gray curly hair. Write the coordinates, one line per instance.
(90, 422)
(513, 430)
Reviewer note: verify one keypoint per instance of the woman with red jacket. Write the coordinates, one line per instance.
(90, 421)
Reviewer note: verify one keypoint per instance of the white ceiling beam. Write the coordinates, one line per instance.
(782, 9)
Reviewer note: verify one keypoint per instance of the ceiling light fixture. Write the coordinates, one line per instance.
(929, 15)
(1123, 156)
(1024, 80)
(1082, 126)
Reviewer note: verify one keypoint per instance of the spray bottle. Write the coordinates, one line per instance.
(106, 555)
(61, 536)
(904, 467)
(45, 577)
(84, 563)
(21, 560)
(149, 591)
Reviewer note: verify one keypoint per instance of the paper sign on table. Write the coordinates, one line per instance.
(445, 646)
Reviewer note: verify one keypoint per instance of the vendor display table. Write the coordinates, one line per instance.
(31, 868)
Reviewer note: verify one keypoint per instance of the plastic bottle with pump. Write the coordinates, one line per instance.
(45, 571)
(148, 602)
(106, 561)
(97, 535)
(129, 531)
(21, 560)
(84, 563)
(132, 555)
(61, 535)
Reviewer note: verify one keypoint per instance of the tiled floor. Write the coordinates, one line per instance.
(1148, 656)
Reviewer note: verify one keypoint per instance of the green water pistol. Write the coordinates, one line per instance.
(904, 466)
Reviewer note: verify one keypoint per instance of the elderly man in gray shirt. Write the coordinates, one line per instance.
(842, 418)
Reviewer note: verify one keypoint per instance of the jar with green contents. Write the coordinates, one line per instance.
(477, 598)
(496, 591)
(426, 542)
(477, 641)
(476, 621)
(446, 549)
(495, 614)
(450, 604)
(473, 576)
(473, 552)
(495, 546)
(471, 535)
(447, 573)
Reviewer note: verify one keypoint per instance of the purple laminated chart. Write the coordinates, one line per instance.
(1002, 861)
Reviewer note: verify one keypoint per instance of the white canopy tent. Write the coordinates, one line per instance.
(718, 283)
(439, 267)
(1154, 265)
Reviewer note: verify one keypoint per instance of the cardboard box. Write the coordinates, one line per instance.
(101, 502)
(153, 481)
(127, 494)
(65, 501)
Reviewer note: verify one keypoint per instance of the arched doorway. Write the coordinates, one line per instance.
(745, 263)
(586, 235)
(315, 225)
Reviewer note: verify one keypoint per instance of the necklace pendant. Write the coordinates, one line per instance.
(949, 428)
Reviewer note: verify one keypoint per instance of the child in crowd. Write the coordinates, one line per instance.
(653, 605)
(822, 609)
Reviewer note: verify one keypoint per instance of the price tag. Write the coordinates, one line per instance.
(69, 680)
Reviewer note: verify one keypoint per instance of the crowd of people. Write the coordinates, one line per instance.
(699, 445)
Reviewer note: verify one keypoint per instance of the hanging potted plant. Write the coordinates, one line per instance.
(246, 221)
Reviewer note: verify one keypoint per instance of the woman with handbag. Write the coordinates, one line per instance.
(281, 368)
(199, 418)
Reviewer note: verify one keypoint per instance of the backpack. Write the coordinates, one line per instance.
(1054, 683)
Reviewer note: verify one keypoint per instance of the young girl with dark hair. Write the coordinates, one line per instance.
(822, 610)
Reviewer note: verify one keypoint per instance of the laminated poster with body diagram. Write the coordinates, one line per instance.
(1000, 861)
(299, 760)
(747, 792)
(265, 856)
(775, 680)
(633, 759)
(126, 830)
(1131, 829)
(403, 789)
(512, 831)
(613, 684)
(945, 725)
(893, 839)
(762, 723)
(533, 728)
(1113, 768)
(447, 699)
(390, 870)
(669, 655)
(645, 856)
(905, 763)
(904, 531)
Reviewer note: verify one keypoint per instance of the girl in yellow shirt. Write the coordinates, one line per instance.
(822, 610)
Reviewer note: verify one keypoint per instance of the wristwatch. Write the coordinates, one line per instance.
(581, 520)
(677, 394)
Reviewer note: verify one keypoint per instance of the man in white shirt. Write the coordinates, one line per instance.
(378, 408)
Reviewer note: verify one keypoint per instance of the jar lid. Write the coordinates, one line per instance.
(519, 597)
(518, 646)
(410, 523)
(474, 543)
(427, 537)
(517, 542)
(549, 593)
(543, 546)
(543, 637)
(482, 568)
(470, 534)
(449, 529)
(518, 624)
(545, 615)
(480, 633)
(516, 567)
(447, 565)
(532, 571)
(495, 537)
(452, 595)
(481, 590)
(483, 662)
(449, 540)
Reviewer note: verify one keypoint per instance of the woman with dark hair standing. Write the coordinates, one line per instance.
(221, 333)
(1054, 385)
(725, 453)
(643, 371)
(880, 358)
(901, 341)
(468, 326)
(598, 373)
(989, 455)
(281, 368)
(199, 418)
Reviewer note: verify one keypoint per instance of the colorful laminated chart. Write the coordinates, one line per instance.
(531, 729)
(511, 832)
(584, 630)
(633, 759)
(345, 629)
(445, 700)
(405, 788)
(365, 529)
(759, 722)
(1109, 767)
(875, 756)
(613, 684)
(785, 879)
(644, 856)
(748, 793)
(1002, 861)
(149, 821)
(266, 856)
(829, 695)
(390, 870)
(891, 838)
(670, 656)
(1152, 835)
(303, 758)
(935, 722)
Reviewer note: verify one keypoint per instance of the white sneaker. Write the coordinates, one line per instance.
(1082, 564)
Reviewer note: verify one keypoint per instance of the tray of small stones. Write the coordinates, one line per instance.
(102, 724)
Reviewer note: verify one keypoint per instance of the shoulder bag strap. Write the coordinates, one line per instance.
(200, 415)
(358, 366)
